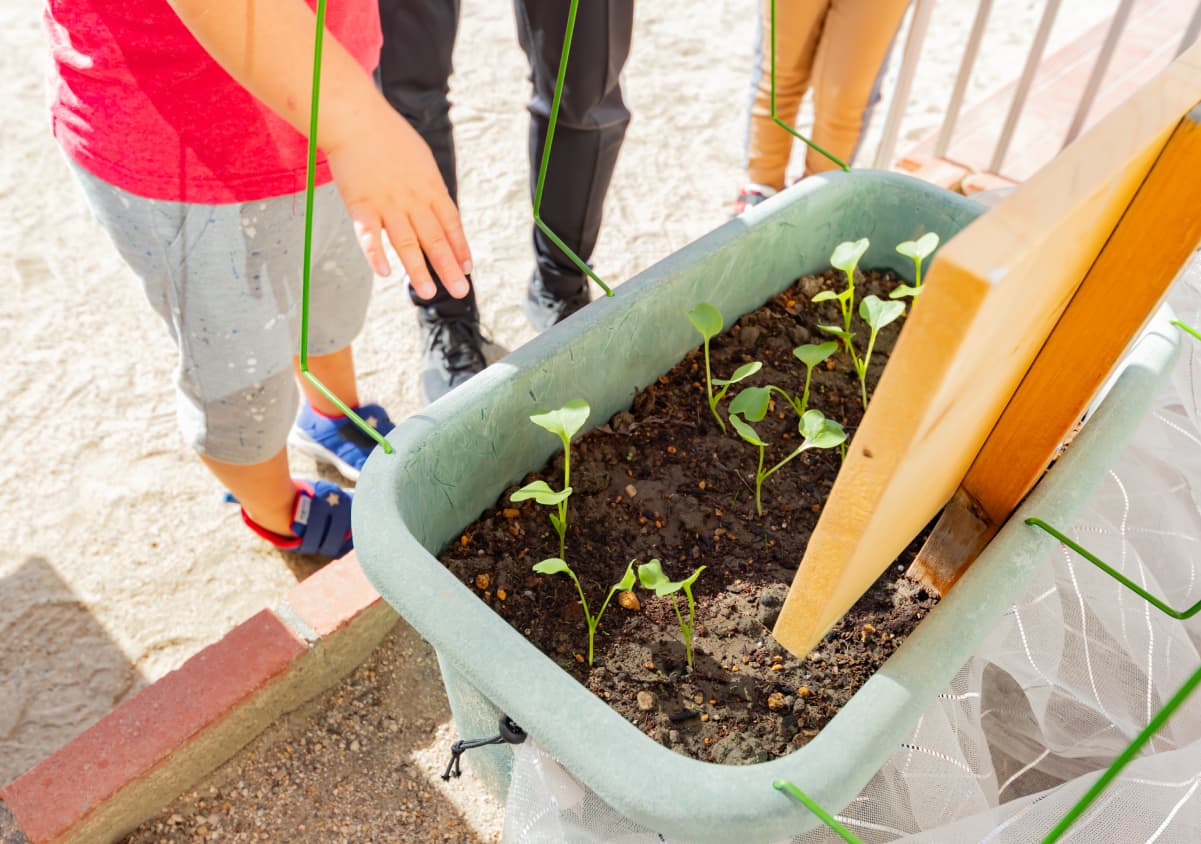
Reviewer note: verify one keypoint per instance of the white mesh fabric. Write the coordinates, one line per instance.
(1065, 681)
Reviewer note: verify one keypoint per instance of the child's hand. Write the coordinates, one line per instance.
(389, 181)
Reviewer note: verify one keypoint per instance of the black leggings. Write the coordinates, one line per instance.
(414, 74)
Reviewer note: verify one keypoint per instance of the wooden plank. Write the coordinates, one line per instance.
(992, 297)
(1127, 282)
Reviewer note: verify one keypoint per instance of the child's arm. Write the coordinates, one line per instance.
(384, 171)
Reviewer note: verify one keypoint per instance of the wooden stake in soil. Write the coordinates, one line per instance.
(994, 295)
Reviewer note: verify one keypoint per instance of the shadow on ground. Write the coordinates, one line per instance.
(60, 671)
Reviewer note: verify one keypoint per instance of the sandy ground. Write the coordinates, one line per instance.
(124, 558)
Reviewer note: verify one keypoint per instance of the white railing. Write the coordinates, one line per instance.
(899, 96)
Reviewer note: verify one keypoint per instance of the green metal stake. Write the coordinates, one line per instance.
(310, 175)
(1188, 328)
(788, 788)
(1129, 753)
(550, 137)
(776, 117)
(1116, 575)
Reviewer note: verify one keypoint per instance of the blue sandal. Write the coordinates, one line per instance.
(320, 521)
(338, 441)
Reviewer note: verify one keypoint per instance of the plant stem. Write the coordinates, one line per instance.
(805, 394)
(593, 623)
(871, 344)
(587, 615)
(759, 479)
(709, 389)
(563, 504)
(685, 629)
(780, 465)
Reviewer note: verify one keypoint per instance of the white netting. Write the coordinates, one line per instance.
(1061, 686)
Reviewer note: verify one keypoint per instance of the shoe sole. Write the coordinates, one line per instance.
(303, 443)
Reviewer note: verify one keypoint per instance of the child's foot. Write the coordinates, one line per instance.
(338, 441)
(320, 521)
(750, 196)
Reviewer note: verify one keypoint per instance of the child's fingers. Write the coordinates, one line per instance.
(367, 232)
(408, 250)
(441, 256)
(448, 216)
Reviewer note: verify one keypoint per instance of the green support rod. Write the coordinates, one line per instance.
(1126, 755)
(550, 137)
(788, 788)
(1187, 328)
(1116, 575)
(775, 118)
(310, 175)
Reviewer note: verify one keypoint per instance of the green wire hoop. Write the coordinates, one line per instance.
(1160, 718)
(776, 118)
(309, 177)
(829, 820)
(545, 163)
(1116, 575)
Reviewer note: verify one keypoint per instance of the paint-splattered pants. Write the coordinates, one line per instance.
(226, 279)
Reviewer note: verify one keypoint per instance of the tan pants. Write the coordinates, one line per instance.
(838, 47)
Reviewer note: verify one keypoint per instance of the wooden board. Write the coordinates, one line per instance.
(993, 295)
(1130, 277)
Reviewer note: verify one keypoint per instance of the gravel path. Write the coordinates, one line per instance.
(360, 763)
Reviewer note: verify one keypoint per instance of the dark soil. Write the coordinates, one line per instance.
(662, 481)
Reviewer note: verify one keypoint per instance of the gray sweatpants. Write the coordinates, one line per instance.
(226, 280)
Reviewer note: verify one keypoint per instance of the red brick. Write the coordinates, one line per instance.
(332, 597)
(130, 741)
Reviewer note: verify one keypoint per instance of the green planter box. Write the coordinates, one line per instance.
(455, 459)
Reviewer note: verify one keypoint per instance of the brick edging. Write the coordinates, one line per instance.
(161, 741)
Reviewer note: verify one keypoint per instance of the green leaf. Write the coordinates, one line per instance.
(688, 581)
(556, 522)
(846, 255)
(837, 332)
(651, 576)
(820, 432)
(903, 290)
(744, 371)
(824, 296)
(746, 432)
(752, 403)
(627, 582)
(920, 248)
(552, 565)
(877, 313)
(566, 421)
(706, 319)
(811, 355)
(541, 492)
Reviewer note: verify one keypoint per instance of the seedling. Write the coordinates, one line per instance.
(845, 257)
(651, 576)
(564, 423)
(876, 313)
(917, 250)
(556, 565)
(707, 320)
(811, 355)
(816, 432)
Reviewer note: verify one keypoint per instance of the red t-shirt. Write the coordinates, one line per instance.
(139, 103)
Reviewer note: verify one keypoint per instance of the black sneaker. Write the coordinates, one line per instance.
(453, 350)
(543, 307)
